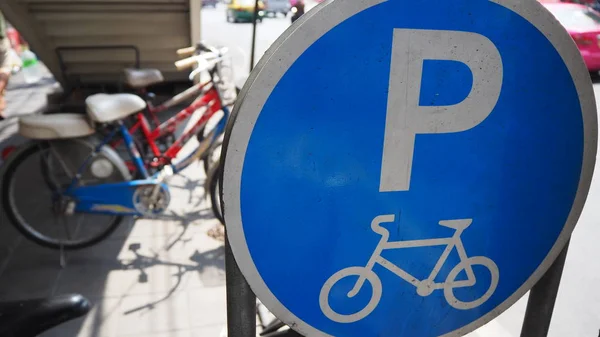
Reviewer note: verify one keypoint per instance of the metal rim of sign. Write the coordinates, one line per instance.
(284, 52)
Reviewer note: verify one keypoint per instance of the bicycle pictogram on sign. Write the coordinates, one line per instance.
(424, 287)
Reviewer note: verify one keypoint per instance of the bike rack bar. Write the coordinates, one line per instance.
(542, 297)
(241, 301)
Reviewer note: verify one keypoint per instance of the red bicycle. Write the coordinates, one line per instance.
(158, 142)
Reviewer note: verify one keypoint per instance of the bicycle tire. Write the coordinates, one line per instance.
(10, 169)
(206, 164)
(209, 159)
(212, 189)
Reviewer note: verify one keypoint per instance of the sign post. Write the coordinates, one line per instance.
(432, 175)
(540, 304)
(241, 301)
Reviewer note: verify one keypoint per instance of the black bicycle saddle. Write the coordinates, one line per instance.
(29, 318)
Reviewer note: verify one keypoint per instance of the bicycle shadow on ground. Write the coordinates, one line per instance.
(149, 260)
(128, 279)
(191, 185)
(200, 262)
(173, 254)
(184, 221)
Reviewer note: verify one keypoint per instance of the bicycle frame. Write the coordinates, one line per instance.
(423, 287)
(120, 198)
(452, 242)
(194, 90)
(110, 198)
(210, 100)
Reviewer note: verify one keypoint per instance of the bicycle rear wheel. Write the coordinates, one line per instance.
(31, 193)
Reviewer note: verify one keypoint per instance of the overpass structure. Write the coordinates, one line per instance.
(88, 42)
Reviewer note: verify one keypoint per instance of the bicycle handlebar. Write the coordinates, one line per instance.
(205, 66)
(186, 51)
(201, 59)
(186, 63)
(376, 223)
(195, 60)
(200, 47)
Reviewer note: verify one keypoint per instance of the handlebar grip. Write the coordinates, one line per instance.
(186, 51)
(186, 63)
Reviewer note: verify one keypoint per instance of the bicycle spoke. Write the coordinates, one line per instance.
(66, 226)
(80, 217)
(51, 176)
(62, 163)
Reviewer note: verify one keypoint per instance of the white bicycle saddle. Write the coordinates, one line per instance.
(55, 126)
(104, 108)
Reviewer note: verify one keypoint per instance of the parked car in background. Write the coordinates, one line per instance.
(243, 10)
(583, 24)
(277, 6)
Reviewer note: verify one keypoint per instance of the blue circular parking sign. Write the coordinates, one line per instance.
(408, 168)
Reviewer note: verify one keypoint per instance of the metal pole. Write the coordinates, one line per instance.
(542, 297)
(241, 301)
(253, 34)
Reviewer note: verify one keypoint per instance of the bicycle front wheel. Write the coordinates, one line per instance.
(213, 156)
(353, 272)
(213, 189)
(31, 194)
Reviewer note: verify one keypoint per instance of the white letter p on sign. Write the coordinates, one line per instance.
(405, 118)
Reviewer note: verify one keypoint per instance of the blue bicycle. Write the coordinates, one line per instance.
(68, 189)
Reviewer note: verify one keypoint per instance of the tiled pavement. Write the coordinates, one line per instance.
(153, 277)
(171, 285)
